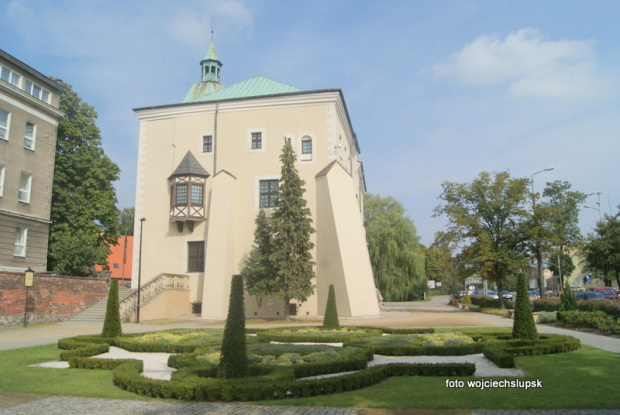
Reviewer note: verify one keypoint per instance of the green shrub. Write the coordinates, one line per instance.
(598, 320)
(568, 301)
(523, 326)
(548, 304)
(466, 300)
(548, 316)
(330, 321)
(316, 334)
(500, 357)
(234, 361)
(112, 324)
(473, 307)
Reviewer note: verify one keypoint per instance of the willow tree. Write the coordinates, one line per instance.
(291, 254)
(396, 256)
(485, 221)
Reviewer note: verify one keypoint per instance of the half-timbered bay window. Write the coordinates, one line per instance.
(187, 187)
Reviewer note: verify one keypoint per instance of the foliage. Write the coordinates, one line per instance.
(602, 248)
(83, 210)
(523, 326)
(396, 256)
(467, 299)
(485, 219)
(598, 320)
(565, 265)
(126, 221)
(291, 255)
(568, 301)
(548, 316)
(330, 320)
(317, 334)
(234, 361)
(112, 324)
(259, 272)
(76, 251)
(554, 224)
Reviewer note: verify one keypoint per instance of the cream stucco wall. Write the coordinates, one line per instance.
(232, 195)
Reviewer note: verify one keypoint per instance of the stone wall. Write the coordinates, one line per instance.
(52, 298)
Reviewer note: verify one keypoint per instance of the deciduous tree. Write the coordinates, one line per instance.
(602, 248)
(396, 255)
(485, 219)
(83, 197)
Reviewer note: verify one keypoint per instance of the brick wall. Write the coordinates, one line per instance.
(52, 298)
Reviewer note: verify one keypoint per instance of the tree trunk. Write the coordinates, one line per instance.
(541, 274)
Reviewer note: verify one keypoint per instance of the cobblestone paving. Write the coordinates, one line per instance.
(62, 405)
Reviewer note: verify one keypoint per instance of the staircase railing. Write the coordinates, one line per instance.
(150, 291)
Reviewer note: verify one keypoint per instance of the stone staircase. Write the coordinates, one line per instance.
(95, 314)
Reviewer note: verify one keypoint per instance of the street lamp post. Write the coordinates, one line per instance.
(600, 216)
(28, 282)
(541, 275)
(139, 271)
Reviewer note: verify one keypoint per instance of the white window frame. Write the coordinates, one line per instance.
(2, 174)
(21, 242)
(23, 194)
(263, 140)
(307, 157)
(257, 181)
(202, 143)
(29, 141)
(6, 128)
(13, 77)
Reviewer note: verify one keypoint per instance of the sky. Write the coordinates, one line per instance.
(437, 90)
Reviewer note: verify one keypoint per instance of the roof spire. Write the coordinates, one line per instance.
(210, 64)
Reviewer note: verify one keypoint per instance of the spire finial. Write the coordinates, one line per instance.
(212, 30)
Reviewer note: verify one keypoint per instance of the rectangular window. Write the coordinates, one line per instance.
(207, 144)
(257, 141)
(30, 136)
(197, 191)
(268, 193)
(21, 237)
(25, 185)
(36, 91)
(9, 76)
(5, 118)
(181, 194)
(2, 170)
(196, 256)
(306, 147)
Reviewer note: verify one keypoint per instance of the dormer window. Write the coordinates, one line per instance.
(187, 185)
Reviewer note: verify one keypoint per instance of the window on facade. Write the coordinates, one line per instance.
(25, 184)
(2, 170)
(196, 195)
(196, 256)
(257, 141)
(181, 194)
(4, 124)
(306, 146)
(30, 136)
(268, 193)
(21, 237)
(207, 144)
(9, 76)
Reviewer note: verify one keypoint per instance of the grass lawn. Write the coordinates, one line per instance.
(585, 378)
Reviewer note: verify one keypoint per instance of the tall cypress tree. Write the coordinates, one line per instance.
(330, 320)
(292, 226)
(523, 326)
(112, 324)
(234, 359)
(258, 272)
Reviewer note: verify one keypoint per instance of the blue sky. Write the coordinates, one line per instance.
(437, 90)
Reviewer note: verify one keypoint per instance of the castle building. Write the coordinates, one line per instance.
(208, 164)
(29, 114)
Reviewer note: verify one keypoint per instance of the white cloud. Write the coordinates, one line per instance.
(530, 66)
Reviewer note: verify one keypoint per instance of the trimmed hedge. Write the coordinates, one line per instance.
(611, 308)
(127, 376)
(290, 335)
(484, 301)
(415, 350)
(500, 357)
(598, 320)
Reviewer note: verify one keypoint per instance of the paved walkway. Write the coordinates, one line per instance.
(429, 314)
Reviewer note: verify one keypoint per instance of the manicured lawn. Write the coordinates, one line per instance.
(586, 378)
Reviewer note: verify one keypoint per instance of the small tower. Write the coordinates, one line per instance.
(209, 83)
(211, 65)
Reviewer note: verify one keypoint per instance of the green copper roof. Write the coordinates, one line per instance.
(253, 87)
(211, 52)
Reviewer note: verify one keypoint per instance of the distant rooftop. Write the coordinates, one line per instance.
(253, 87)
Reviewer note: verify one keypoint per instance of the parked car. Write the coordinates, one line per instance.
(506, 295)
(608, 292)
(590, 295)
(534, 295)
(492, 294)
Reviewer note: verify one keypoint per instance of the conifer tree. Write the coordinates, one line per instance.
(330, 320)
(259, 273)
(292, 226)
(112, 324)
(523, 326)
(568, 301)
(234, 358)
